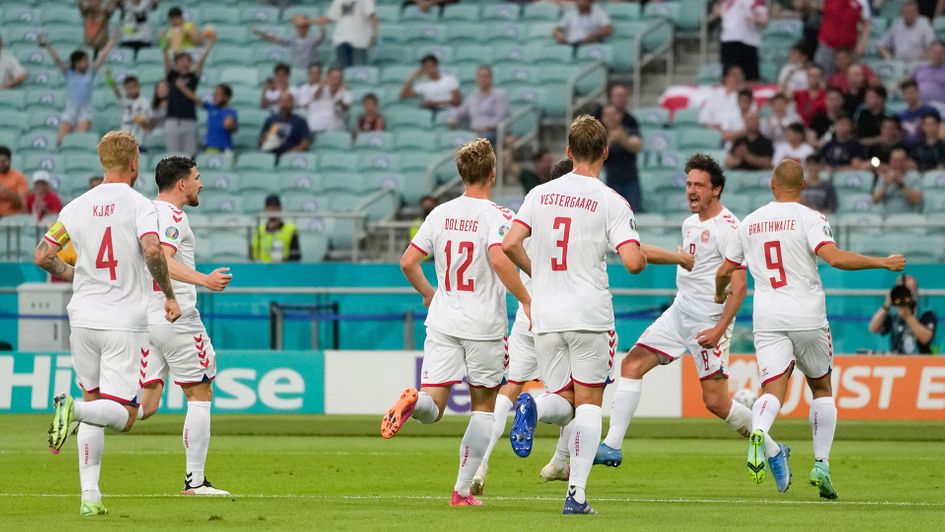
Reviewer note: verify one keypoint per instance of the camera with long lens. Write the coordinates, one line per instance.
(901, 296)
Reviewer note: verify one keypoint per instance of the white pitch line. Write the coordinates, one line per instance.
(522, 499)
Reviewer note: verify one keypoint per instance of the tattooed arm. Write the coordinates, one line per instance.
(45, 257)
(157, 266)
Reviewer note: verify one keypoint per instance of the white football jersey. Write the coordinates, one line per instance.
(111, 280)
(527, 281)
(779, 244)
(175, 233)
(469, 301)
(574, 222)
(708, 241)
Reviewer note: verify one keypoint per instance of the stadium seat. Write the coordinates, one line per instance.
(933, 201)
(709, 74)
(212, 202)
(412, 13)
(79, 142)
(739, 204)
(390, 54)
(852, 202)
(452, 139)
(268, 55)
(213, 161)
(387, 13)
(933, 180)
(259, 15)
(541, 32)
(379, 161)
(240, 75)
(15, 120)
(853, 181)
(43, 161)
(443, 52)
(341, 161)
(41, 99)
(312, 244)
(229, 247)
(306, 182)
(425, 33)
(220, 181)
(912, 223)
(863, 222)
(406, 117)
(219, 15)
(504, 32)
(692, 139)
(84, 163)
(21, 15)
(43, 79)
(362, 74)
(334, 140)
(501, 12)
(343, 181)
(652, 116)
(298, 162)
(30, 57)
(307, 203)
(550, 56)
(465, 34)
(650, 224)
(259, 161)
(407, 139)
(462, 12)
(375, 140)
(541, 11)
(659, 140)
(619, 11)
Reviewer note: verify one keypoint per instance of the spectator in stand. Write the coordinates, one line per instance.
(539, 173)
(818, 194)
(13, 186)
(843, 60)
(586, 23)
(623, 145)
(855, 93)
(910, 118)
(80, 80)
(136, 31)
(931, 9)
(328, 110)
(276, 240)
(845, 24)
(302, 46)
(180, 126)
(890, 138)
(42, 200)
(159, 104)
(303, 94)
(182, 35)
(733, 126)
(483, 111)
(722, 102)
(793, 75)
(12, 72)
(275, 87)
(355, 29)
(751, 151)
(909, 36)
(284, 130)
(427, 204)
(907, 334)
(897, 189)
(869, 117)
(742, 22)
(221, 119)
(95, 16)
(824, 120)
(807, 102)
(774, 126)
(844, 151)
(135, 108)
(370, 119)
(438, 90)
(930, 153)
(930, 77)
(794, 146)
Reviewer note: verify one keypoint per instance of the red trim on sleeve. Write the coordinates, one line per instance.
(525, 225)
(495, 244)
(822, 244)
(418, 248)
(625, 242)
(740, 267)
(168, 244)
(735, 263)
(51, 241)
(146, 234)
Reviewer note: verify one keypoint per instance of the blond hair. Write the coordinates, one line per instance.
(117, 150)
(475, 161)
(587, 139)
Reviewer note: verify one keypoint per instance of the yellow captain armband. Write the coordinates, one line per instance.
(57, 235)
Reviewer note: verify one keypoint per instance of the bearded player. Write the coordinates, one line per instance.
(182, 349)
(780, 243)
(467, 322)
(114, 231)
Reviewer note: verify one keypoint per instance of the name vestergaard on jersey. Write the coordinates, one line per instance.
(105, 209)
(570, 202)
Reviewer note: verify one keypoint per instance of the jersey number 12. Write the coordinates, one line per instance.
(466, 249)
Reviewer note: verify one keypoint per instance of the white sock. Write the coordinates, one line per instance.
(196, 440)
(503, 405)
(764, 412)
(823, 423)
(626, 400)
(102, 413)
(583, 446)
(554, 409)
(473, 446)
(91, 442)
(425, 410)
(739, 418)
(562, 453)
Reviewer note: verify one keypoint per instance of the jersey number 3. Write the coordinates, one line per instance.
(775, 263)
(465, 248)
(563, 223)
(106, 255)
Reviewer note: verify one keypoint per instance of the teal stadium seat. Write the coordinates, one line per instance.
(452, 139)
(20, 15)
(387, 13)
(229, 247)
(337, 160)
(307, 182)
(220, 181)
(649, 224)
(853, 202)
(34, 141)
(425, 33)
(709, 74)
(43, 79)
(541, 32)
(231, 55)
(343, 181)
(406, 117)
(622, 10)
(213, 161)
(911, 223)
(331, 141)
(306, 11)
(305, 203)
(541, 11)
(219, 15)
(934, 201)
(550, 56)
(52, 163)
(853, 181)
(32, 57)
(409, 139)
(82, 163)
(390, 54)
(369, 75)
(461, 12)
(79, 142)
(374, 140)
(298, 162)
(933, 180)
(258, 161)
(379, 161)
(14, 120)
(220, 203)
(259, 15)
(497, 31)
(465, 34)
(240, 75)
(413, 14)
(652, 116)
(501, 12)
(313, 244)
(267, 55)
(699, 139)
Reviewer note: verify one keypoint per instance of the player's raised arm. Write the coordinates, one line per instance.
(45, 256)
(658, 255)
(157, 266)
(847, 260)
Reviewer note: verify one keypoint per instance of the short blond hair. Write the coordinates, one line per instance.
(587, 139)
(117, 150)
(475, 160)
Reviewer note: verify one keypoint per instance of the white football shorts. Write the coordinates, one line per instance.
(523, 365)
(183, 349)
(107, 362)
(811, 351)
(447, 359)
(581, 357)
(674, 333)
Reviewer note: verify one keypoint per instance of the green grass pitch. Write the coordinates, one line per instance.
(335, 473)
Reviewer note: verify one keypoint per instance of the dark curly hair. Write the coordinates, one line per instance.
(707, 164)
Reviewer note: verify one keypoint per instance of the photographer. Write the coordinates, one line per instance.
(907, 335)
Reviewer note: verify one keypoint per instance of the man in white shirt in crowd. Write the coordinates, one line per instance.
(742, 22)
(909, 36)
(438, 90)
(584, 24)
(330, 103)
(723, 101)
(355, 29)
(304, 93)
(12, 72)
(483, 110)
(793, 146)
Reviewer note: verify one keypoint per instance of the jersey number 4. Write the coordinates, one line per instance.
(106, 256)
(564, 224)
(465, 249)
(775, 263)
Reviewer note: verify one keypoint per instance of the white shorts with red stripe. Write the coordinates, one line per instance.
(447, 359)
(107, 362)
(674, 334)
(523, 365)
(182, 349)
(811, 351)
(581, 357)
